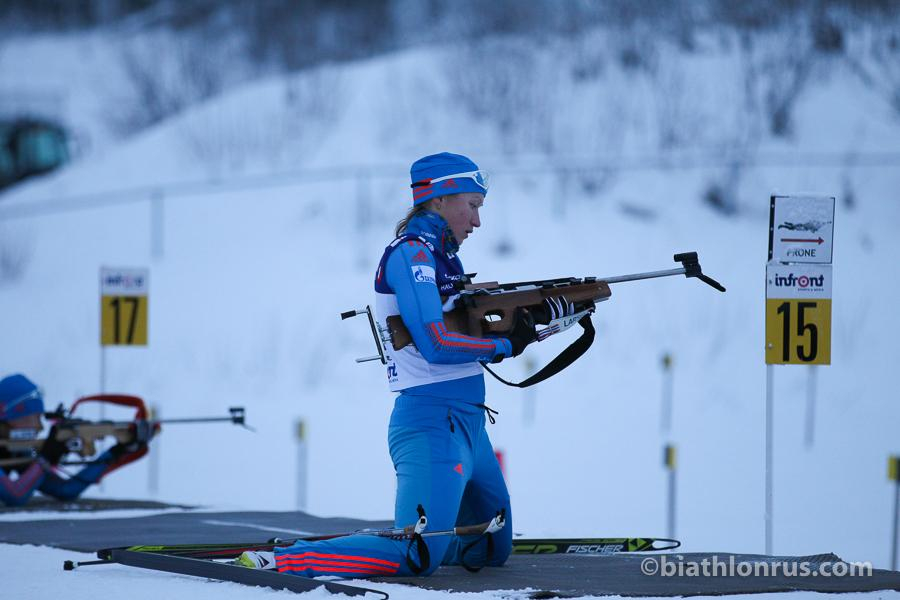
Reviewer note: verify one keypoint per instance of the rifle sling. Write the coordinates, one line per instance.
(565, 358)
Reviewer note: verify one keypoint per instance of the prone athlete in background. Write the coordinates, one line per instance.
(21, 411)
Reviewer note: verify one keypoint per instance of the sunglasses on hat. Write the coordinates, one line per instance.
(479, 177)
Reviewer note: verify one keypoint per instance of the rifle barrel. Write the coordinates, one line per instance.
(648, 275)
(236, 417)
(194, 420)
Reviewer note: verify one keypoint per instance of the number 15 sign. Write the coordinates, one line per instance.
(798, 314)
(123, 307)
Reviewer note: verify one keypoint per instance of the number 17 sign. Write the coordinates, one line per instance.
(798, 314)
(123, 307)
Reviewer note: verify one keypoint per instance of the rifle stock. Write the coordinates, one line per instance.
(80, 436)
(485, 309)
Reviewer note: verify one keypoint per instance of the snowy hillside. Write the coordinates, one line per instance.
(604, 176)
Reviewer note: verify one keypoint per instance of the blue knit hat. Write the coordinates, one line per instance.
(19, 397)
(438, 167)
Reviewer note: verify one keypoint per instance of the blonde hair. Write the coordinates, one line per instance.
(415, 210)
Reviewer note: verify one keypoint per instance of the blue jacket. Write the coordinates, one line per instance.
(416, 270)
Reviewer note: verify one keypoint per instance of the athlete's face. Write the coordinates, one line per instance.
(461, 213)
(27, 423)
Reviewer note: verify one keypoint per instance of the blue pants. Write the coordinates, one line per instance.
(445, 462)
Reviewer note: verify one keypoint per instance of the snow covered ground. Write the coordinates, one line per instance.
(247, 280)
(39, 573)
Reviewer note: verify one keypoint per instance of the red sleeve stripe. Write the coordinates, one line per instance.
(462, 336)
(323, 570)
(334, 563)
(468, 338)
(441, 337)
(328, 565)
(24, 484)
(338, 557)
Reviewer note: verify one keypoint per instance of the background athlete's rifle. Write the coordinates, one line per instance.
(490, 309)
(79, 436)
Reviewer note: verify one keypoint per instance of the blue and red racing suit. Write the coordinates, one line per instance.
(437, 438)
(42, 476)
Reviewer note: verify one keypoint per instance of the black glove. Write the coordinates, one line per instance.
(523, 332)
(120, 450)
(52, 449)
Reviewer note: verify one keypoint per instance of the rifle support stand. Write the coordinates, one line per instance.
(381, 334)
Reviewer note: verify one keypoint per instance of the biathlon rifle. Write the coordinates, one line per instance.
(79, 436)
(490, 309)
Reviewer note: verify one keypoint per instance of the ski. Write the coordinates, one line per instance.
(232, 550)
(209, 569)
(593, 546)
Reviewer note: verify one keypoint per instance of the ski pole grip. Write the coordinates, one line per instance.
(422, 522)
(471, 529)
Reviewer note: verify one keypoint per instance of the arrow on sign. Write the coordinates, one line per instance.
(813, 241)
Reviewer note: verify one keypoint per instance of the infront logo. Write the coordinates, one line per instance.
(803, 281)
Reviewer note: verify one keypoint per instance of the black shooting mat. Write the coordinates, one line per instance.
(184, 527)
(561, 575)
(545, 575)
(44, 504)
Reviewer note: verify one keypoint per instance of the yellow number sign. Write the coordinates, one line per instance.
(124, 321)
(123, 307)
(798, 331)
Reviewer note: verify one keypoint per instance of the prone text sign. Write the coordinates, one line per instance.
(123, 306)
(801, 229)
(798, 314)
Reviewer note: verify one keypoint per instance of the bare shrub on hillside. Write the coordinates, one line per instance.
(733, 142)
(314, 100)
(587, 56)
(635, 47)
(295, 35)
(510, 88)
(678, 120)
(16, 250)
(275, 134)
(400, 106)
(165, 74)
(874, 55)
(783, 63)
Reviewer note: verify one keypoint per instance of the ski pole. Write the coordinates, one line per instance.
(495, 524)
(230, 550)
(71, 565)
